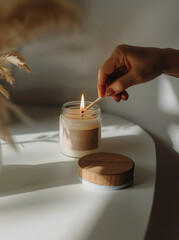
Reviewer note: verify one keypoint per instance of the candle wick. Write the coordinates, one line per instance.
(82, 113)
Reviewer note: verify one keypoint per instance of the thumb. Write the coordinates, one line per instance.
(120, 84)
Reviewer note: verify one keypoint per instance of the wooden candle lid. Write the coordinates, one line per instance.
(106, 169)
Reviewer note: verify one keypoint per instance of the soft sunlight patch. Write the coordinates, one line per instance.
(117, 130)
(167, 98)
(173, 132)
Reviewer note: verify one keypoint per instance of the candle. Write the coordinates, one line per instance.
(80, 132)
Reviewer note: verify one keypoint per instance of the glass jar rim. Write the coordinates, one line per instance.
(69, 110)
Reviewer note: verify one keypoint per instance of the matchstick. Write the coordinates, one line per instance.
(96, 101)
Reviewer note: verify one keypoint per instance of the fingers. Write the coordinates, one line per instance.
(124, 95)
(120, 84)
(101, 83)
(117, 97)
(107, 68)
(121, 96)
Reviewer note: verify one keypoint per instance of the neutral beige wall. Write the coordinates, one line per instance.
(66, 65)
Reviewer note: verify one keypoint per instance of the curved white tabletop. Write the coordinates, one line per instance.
(42, 198)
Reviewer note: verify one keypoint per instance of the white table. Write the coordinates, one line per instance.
(42, 198)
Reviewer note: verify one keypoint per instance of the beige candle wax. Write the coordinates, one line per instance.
(80, 133)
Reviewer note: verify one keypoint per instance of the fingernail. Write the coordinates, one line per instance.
(124, 96)
(109, 92)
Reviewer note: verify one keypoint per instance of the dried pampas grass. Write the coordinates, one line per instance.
(6, 107)
(5, 72)
(14, 58)
(21, 20)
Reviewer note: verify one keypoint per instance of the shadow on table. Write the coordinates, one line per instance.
(144, 178)
(164, 219)
(25, 178)
(117, 229)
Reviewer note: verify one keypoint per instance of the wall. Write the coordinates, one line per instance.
(65, 65)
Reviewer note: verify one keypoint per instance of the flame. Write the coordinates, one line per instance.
(82, 104)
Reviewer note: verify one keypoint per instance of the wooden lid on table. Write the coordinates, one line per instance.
(106, 169)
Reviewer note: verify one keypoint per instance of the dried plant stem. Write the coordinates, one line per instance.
(20, 21)
(7, 107)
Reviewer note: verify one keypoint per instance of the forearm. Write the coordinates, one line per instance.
(171, 62)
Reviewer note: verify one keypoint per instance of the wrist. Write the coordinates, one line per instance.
(164, 60)
(170, 59)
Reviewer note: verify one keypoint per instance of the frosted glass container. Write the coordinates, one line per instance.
(80, 133)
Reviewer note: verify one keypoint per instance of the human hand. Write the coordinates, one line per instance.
(128, 66)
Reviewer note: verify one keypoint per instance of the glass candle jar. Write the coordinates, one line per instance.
(80, 132)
